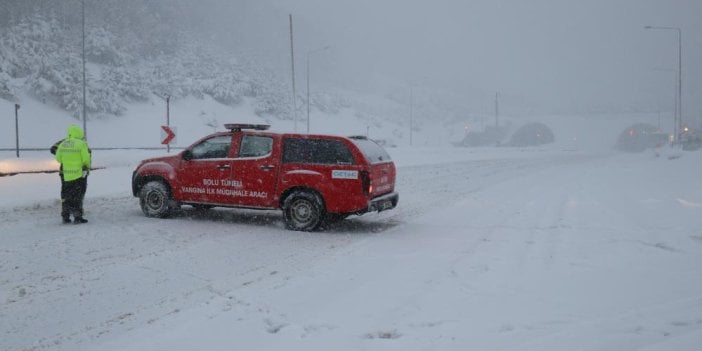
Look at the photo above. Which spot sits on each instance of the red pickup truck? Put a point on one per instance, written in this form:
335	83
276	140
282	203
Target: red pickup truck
313	179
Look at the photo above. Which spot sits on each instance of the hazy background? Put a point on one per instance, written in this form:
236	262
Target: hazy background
542	56
545	55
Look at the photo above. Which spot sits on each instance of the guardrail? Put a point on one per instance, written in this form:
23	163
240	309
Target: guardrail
97	148
42	171
12	173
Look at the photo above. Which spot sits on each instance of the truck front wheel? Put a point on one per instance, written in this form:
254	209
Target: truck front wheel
155	199
303	211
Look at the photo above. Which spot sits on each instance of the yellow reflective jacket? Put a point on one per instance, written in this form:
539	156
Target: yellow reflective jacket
73	154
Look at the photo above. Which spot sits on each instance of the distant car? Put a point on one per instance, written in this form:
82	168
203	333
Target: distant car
691	139
313	179
641	136
491	136
532	134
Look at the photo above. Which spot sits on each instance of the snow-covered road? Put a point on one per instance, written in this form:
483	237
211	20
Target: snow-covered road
542	250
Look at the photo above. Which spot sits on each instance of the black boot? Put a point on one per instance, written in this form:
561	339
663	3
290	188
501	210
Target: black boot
79	220
66	220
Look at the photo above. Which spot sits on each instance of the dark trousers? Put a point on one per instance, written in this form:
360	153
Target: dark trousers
72	194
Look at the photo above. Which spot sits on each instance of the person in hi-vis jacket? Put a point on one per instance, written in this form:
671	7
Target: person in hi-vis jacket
74	156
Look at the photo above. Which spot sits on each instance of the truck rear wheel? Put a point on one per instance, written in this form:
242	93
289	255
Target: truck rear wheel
303	211
155	199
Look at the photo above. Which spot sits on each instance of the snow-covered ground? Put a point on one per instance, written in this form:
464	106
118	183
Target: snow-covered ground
489	249
562	247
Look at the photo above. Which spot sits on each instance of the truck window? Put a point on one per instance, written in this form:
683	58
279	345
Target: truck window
373	152
215	147
320	151
255	146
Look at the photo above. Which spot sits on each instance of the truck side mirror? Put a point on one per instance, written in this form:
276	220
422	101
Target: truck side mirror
187	155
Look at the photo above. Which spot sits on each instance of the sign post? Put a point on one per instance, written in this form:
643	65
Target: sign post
168	135
168	118
17	106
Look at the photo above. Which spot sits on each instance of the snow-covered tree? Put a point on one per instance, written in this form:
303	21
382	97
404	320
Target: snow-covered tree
135	50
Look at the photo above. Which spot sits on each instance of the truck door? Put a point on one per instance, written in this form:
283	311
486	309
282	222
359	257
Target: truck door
202	177
255	171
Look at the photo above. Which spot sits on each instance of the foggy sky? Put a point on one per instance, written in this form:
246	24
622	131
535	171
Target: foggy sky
549	54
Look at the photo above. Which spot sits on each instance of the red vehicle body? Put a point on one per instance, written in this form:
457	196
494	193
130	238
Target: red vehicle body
314	179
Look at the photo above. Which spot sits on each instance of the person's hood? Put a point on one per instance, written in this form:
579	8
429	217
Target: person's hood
75	132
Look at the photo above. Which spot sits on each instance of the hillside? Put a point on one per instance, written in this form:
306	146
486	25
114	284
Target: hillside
150	51
139	53
42	57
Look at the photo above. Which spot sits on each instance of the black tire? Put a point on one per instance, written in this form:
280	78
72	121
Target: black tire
155	199
303	211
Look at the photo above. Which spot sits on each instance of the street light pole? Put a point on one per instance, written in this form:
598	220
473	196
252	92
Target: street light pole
308	83
85	130
678	118
680	114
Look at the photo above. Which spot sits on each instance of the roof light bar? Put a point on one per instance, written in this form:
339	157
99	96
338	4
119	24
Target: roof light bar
237	127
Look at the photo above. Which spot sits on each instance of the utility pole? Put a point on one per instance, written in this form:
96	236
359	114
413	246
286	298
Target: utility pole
17	106
85	130
678	118
659	121
411	117
497	111
292	61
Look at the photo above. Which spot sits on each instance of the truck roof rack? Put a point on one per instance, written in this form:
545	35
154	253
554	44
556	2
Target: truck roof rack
237	127
358	137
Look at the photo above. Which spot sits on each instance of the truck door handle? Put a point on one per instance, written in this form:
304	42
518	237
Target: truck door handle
223	167
267	167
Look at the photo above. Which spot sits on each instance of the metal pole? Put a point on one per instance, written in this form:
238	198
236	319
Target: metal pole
680	115
677	124
411	102
675	99
497	111
675	115
85	129
168	119
17	106
659	121
308	92
292	61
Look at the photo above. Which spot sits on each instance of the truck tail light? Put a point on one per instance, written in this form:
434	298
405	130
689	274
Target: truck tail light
366	183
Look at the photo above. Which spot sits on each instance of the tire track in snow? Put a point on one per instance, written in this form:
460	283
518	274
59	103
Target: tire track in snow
122	270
